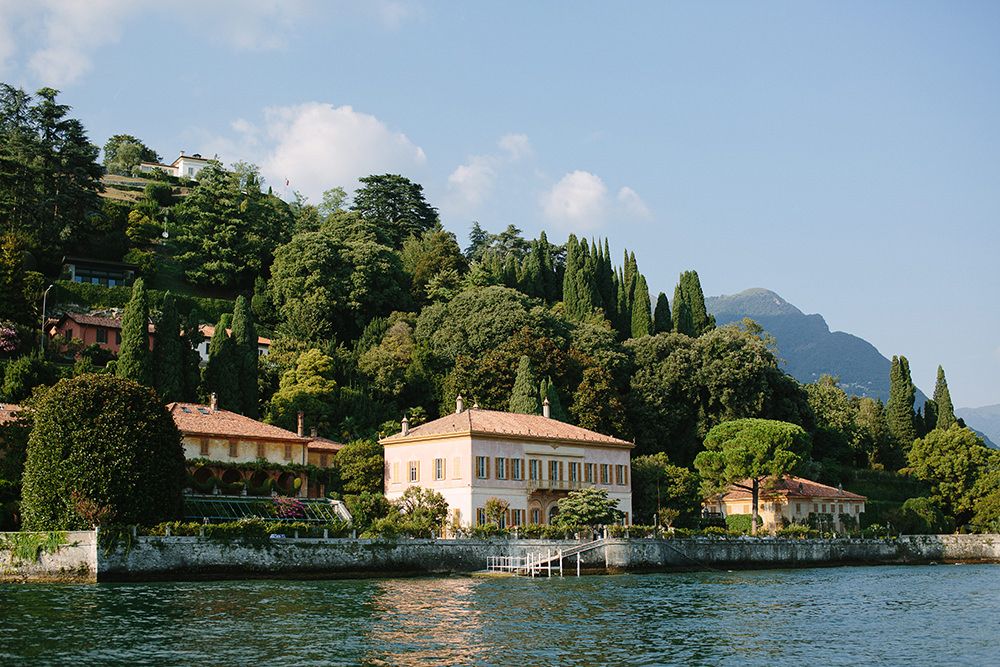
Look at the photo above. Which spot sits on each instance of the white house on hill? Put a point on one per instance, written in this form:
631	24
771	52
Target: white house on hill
185	166
529	461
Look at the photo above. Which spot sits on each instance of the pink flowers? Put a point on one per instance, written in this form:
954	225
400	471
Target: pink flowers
289	508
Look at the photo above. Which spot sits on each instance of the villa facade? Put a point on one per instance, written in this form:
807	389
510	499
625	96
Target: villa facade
792	500
529	461
185	166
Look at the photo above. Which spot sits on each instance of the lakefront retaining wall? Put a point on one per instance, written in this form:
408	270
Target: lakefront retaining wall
145	558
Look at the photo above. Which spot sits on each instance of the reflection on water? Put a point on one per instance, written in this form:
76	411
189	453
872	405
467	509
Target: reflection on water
838	616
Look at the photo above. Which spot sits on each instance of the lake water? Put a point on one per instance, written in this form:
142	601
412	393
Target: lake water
929	615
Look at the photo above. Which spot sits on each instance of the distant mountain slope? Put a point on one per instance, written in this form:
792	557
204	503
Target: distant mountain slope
985	420
806	345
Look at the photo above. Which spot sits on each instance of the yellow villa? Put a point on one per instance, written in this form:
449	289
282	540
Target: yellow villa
791	500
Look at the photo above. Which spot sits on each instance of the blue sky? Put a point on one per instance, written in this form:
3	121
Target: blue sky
845	155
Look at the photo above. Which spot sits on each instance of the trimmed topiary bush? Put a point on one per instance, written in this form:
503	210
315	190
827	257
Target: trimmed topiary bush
103	450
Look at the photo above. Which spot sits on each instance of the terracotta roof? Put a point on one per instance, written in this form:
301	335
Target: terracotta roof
8	412
507	424
794	487
99	321
208	331
196	419
325	445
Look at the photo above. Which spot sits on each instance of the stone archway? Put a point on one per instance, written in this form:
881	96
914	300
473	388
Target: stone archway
552	513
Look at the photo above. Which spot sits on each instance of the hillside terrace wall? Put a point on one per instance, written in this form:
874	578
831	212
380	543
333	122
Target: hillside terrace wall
148	558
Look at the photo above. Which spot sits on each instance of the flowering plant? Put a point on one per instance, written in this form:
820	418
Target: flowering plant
289	508
8	338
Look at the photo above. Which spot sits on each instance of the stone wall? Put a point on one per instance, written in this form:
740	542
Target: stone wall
145	558
74	560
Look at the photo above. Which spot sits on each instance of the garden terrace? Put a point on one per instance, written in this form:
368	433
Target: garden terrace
232	508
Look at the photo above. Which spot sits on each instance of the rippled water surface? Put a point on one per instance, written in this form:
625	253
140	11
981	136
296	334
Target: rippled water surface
948	615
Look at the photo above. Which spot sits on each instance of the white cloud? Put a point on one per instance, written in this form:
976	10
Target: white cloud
470	183
633	204
578	201
65	33
516	146
249	25
317	146
393	13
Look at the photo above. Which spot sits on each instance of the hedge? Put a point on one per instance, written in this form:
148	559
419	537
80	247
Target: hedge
90	296
103	450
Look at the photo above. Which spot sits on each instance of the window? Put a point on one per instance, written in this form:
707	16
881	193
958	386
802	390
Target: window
102	335
534	469
69	334
619	475
395	472
516	518
261	454
553	470
438	469
414	471
574	471
482	467
516	469
501	468
815	507
234	448
204	446
118	338
536	516
605	473
746	509
857	509
824	508
456	468
588	473
324	460
798	508
480	516
288	452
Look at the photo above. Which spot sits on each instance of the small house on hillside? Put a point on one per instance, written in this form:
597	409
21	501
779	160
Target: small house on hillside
103	330
793	500
529	461
207	330
185	166
98	271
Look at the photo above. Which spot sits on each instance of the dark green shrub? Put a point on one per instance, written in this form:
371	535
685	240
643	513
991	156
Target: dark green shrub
23	375
161	193
740	523
922	516
102	450
798	531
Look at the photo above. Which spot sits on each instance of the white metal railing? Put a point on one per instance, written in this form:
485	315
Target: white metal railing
537	564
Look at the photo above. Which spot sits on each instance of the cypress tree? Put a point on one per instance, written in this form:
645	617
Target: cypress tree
606	284
134	361
942	401
661	316
524	397
586	282
899	410
548	390
569	278
550	276
642	323
683	322
168	353
930	417
220	371
245	358
701	321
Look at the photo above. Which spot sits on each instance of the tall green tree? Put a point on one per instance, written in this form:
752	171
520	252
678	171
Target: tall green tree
642	323
942	403
952	461
169	353
658	484
690	315
899	410
123	153
524	397
662	322
589	506
220	376
246	357
746	452
596	404
14	305
397	207
547	390
134	359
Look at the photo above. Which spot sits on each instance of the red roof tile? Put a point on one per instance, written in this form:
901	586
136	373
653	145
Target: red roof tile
207	330
325	445
792	487
506	424
195	419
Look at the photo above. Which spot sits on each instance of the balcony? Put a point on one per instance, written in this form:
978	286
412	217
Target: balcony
555	485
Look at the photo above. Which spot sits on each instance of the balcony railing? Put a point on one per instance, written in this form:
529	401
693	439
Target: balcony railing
555	485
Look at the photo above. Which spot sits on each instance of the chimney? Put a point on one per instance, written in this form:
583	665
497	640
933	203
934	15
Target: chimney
406	425
213	402
314	432
459	405
302	424
545	408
